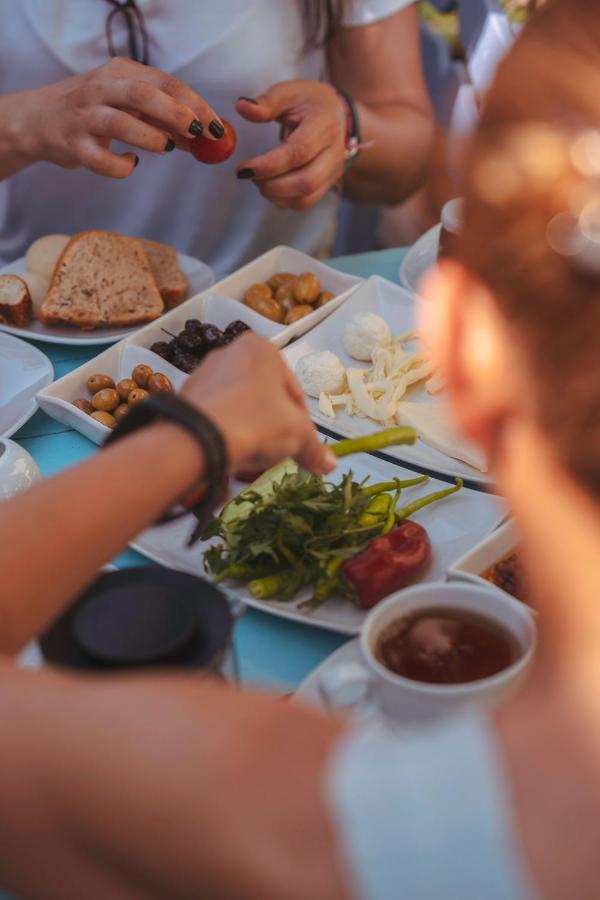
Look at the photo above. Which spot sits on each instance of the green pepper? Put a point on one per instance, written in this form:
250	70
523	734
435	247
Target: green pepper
393	485
375	511
371	442
408	510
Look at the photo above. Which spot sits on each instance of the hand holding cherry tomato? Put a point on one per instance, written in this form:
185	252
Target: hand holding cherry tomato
213	152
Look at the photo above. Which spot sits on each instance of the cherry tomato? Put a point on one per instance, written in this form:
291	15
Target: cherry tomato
213	152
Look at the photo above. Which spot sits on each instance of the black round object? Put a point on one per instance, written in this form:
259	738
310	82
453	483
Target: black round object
237	327
162	349
142	617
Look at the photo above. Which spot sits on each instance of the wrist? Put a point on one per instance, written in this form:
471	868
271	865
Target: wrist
22	129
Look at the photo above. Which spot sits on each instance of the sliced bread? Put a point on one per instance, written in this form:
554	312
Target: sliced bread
170	280
102	280
15	302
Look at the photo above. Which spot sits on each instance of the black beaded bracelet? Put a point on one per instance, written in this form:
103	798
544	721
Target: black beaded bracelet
169	408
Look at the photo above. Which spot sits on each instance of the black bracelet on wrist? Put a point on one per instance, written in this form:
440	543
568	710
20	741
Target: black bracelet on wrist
169	408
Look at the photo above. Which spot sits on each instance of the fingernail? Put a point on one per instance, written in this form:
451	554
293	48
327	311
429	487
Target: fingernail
249	100
196	127
216	129
136	160
245	173
170	145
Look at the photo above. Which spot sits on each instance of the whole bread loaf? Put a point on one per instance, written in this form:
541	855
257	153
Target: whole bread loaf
102	280
170	280
15	302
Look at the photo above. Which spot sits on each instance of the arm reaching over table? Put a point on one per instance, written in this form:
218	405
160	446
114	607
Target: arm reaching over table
74	524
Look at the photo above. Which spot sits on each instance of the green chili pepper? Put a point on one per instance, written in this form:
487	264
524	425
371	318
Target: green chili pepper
407	511
370	442
238	572
393	485
267	587
376	509
390	520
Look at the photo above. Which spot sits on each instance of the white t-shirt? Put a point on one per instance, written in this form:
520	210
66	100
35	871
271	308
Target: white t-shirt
424	813
223	49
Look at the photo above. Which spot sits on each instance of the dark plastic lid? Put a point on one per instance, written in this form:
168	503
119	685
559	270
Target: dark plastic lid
142	617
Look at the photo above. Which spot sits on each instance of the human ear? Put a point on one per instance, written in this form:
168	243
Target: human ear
469	345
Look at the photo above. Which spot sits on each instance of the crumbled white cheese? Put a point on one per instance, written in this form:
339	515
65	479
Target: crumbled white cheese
320	372
364	333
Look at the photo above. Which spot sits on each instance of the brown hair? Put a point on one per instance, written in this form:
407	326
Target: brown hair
523	194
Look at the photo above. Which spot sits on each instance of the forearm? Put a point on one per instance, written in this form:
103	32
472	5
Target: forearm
395	161
153	787
54	537
18	144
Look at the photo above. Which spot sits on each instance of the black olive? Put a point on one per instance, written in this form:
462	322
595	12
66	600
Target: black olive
237	327
193	326
212	334
185	361
162	349
190	342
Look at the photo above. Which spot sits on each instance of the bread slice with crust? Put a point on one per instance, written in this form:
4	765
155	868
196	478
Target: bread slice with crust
170	280
102	280
15	302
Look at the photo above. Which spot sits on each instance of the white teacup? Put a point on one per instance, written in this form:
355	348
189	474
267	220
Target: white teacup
370	685
18	469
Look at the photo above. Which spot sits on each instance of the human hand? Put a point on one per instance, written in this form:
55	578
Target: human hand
254	399
310	160
72	122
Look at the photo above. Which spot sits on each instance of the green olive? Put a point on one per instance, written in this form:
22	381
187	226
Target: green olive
265	306
137	396
324	297
84	405
298	312
280	278
104	417
106	399
125	387
307	288
120	411
97	383
256	293
159	383
141	374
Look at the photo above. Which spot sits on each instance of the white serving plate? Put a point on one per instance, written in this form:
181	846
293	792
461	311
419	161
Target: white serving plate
454	526
421	257
478	559
24	370
199	277
286	259
397	307
118	360
308	691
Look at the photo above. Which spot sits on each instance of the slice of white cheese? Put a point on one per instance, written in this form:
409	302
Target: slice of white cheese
434	428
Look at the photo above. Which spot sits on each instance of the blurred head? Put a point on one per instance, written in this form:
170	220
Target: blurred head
514	321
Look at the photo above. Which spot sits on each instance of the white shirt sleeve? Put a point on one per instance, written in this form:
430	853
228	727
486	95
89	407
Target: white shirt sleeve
363	12
422	814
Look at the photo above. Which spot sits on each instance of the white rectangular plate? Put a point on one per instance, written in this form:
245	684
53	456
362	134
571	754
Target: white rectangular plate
454	525
396	306
23	371
199	277
286	259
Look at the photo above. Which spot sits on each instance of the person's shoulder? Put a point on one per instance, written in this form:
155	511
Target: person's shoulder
363	12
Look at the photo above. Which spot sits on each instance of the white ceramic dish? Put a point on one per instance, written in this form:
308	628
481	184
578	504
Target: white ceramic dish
454	526
24	370
397	307
421	257
478	559
118	360
286	259
199	277
18	469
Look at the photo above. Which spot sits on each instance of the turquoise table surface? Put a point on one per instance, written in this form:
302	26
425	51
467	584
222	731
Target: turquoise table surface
271	651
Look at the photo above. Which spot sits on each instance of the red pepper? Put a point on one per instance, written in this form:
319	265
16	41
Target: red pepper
387	563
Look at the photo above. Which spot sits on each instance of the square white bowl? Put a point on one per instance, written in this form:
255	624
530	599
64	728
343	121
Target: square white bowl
117	362
286	259
472	564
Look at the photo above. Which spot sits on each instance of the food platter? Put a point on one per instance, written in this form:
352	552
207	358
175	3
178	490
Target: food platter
421	257
199	277
397	307
24	370
454	526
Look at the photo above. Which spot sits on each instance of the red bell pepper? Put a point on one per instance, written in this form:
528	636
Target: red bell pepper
387	563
